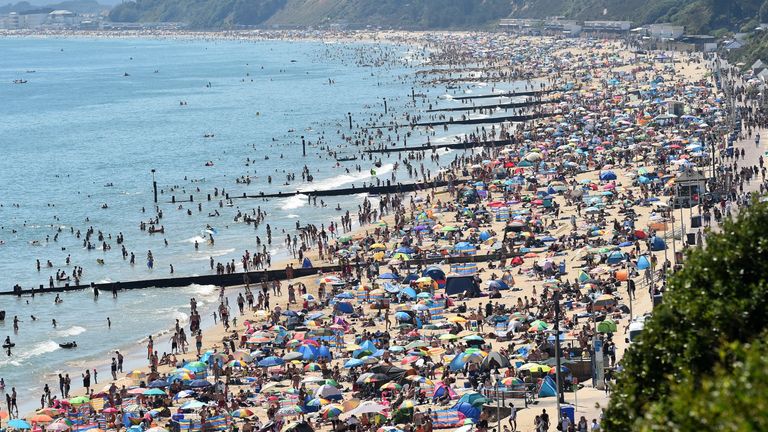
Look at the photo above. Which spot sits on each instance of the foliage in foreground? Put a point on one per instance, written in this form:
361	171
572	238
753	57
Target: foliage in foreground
719	298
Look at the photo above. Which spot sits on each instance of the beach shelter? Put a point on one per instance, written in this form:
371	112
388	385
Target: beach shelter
308	352
306	263
461	284
548	388
440	391
614	257
657	244
473	398
469	410
495	360
344	307
436	273
607	175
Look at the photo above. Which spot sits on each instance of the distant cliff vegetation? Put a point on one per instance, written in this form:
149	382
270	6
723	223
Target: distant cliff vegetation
699	16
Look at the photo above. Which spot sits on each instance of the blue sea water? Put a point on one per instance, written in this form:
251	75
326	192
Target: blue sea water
95	112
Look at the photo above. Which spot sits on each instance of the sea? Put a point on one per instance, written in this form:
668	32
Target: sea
97	118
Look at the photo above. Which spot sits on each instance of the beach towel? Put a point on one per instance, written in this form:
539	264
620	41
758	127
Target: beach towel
447	419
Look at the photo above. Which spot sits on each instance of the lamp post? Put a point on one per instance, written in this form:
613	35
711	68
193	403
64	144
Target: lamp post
558	378
497	380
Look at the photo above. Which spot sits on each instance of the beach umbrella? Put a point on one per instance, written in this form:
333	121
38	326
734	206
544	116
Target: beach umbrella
193	404
417	344
136	374
271	361
331	411
289	411
297	427
512	381
18	424
196	366
390	276
242	413
312	367
391	386
316	402
535	367
57	427
237	364
295	355
353	363
154	392
326	391
200	383
41	418
158	383
538	325
402	316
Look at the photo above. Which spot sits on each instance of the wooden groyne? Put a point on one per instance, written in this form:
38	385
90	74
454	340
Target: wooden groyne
234	279
501	105
386	188
453	146
508	94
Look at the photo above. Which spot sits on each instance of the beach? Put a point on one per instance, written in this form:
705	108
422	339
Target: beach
573	205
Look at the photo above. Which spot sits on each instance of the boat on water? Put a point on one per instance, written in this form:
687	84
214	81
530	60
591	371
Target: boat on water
346	158
19	81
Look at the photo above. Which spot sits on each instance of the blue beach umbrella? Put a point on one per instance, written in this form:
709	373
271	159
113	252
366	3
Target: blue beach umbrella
18	424
353	363
271	361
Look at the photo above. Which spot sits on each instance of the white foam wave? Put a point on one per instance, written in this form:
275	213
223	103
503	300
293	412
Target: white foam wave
294	202
203	289
20	355
343	179
72	331
198	239
292	216
205	255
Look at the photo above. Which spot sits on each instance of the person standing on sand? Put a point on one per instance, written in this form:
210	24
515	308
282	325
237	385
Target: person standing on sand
119	361
150	347
113	369
87	381
199	341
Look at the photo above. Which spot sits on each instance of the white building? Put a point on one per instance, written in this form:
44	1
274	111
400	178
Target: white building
665	31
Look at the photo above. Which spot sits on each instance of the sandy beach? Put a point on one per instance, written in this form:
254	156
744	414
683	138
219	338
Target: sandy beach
579	206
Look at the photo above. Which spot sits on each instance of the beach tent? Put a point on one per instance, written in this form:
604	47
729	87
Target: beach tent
440	391
436	273
657	244
607	175
308	352
473	398
548	388
615	257
495	360
344	307
461	284
306	263
469	410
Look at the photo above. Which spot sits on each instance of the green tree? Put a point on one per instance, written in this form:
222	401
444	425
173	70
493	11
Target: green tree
720	297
